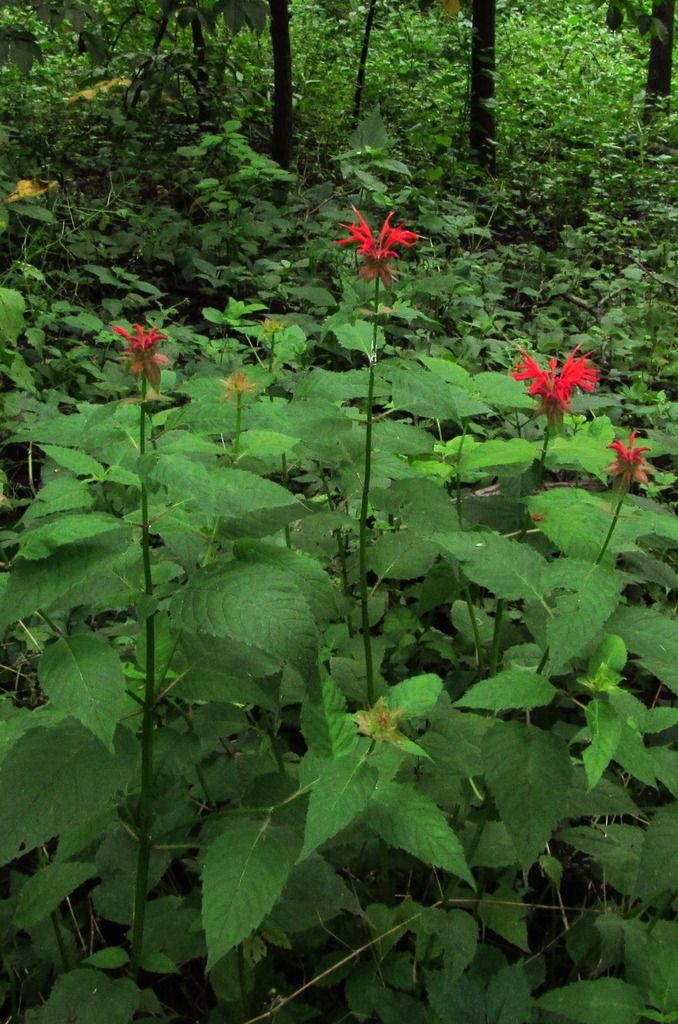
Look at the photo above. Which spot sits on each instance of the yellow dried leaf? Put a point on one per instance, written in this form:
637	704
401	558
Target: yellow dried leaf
452	7
93	91
26	188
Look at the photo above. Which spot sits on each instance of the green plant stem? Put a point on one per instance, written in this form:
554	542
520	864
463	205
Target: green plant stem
544	659
613	524
286	478
542	458
474	627
458	478
364	507
146	796
238	422
496	638
58	935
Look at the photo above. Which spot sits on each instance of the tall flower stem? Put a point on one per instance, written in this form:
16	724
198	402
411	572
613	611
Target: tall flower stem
364	507
238	423
613	524
542	458
146	798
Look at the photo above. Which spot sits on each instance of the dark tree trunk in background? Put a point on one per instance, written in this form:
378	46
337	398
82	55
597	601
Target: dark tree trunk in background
360	83
658	89
281	148
483	122
202	78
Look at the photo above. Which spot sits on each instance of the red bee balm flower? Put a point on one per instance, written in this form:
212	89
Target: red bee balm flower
629	466
554	386
141	352
378	255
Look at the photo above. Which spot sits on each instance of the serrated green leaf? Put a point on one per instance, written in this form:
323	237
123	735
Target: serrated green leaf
605	726
579	617
34	585
603	1001
83	676
108	959
76	461
587	450
528	771
411	821
653	637
244	873
339	794
616	848
255	605
44	891
64	775
12	309
88	997
658	870
306	572
328	729
507	568
513	688
415	696
314	893
506	914
508	999
479	456
42	540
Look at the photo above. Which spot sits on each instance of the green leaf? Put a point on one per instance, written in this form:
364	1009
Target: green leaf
605	726
64	775
603	1001
586	451
76	461
256	605
615	848
12	309
653	637
528	771
33	585
371	132
508	999
340	793
244	873
580	616
508	569
328	729
415	696
658	870
314	893
411	821
506	914
83	676
513	688
108	959
357	337
88	997
44	891
306	572
41	541
479	456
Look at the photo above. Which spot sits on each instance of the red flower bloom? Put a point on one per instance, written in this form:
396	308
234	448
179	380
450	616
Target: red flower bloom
378	255
141	352
629	466
554	386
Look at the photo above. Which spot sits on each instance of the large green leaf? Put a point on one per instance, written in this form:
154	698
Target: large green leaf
603	1001
410	820
507	568
605	726
250	506
55	779
658	870
83	676
44	891
579	616
12	309
244	873
528	771
513	688
34	585
415	696
340	792
306	572
653	637
328	729
88	997
255	605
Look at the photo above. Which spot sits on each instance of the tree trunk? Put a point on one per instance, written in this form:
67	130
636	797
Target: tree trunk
658	89
483	126
202	77
360	83
281	147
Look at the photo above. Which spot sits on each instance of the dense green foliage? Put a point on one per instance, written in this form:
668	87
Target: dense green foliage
333	687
